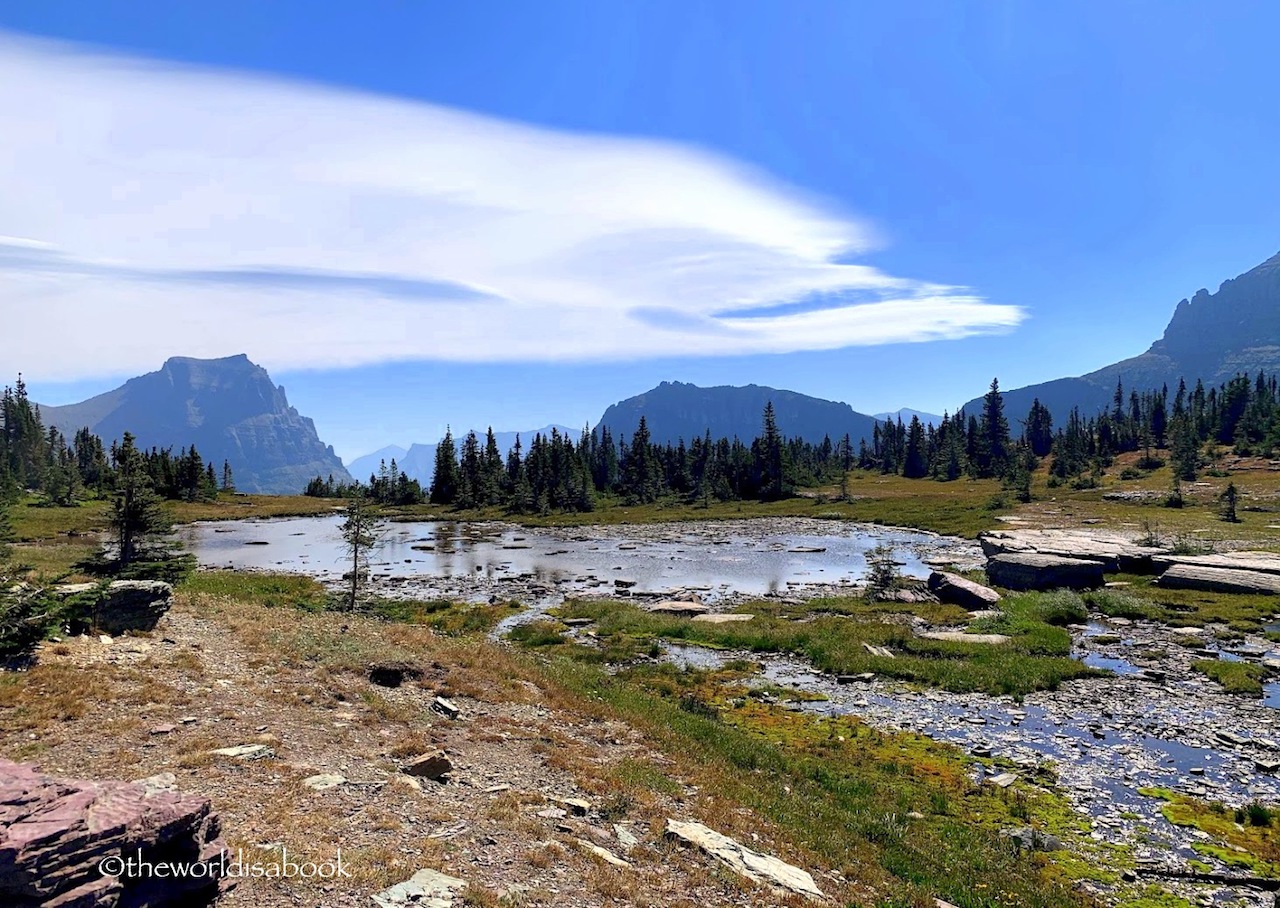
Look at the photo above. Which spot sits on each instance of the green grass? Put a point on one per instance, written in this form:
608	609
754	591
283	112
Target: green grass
1183	608
1243	678
271	590
1036	658
448	617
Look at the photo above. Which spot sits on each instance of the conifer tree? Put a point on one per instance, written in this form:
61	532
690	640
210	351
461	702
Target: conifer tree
444	482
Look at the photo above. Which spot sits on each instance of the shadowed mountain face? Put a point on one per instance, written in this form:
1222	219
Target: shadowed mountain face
675	410
228	408
1212	336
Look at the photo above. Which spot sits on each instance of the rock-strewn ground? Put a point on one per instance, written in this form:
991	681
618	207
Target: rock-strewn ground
217	674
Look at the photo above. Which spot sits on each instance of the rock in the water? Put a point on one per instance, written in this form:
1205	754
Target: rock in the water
957	590
393	674
125	605
1044	572
1219	580
55	832
433	765
425	889
754	866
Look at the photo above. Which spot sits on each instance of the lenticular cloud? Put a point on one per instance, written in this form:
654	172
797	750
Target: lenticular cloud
152	209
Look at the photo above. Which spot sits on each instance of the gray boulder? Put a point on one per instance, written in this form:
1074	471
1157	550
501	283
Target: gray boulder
1029	571
957	590
123	605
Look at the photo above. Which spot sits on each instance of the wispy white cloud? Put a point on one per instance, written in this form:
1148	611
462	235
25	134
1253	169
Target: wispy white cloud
154	209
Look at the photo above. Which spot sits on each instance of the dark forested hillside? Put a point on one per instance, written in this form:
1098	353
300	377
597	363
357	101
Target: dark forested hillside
676	410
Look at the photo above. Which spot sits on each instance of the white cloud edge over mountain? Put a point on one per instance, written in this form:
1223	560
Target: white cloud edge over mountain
155	209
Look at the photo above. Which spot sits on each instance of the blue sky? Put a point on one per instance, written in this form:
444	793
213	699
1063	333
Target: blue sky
882	204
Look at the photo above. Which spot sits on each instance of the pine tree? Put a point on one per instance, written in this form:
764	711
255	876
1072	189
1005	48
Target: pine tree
361	530
993	446
136	514
444	482
228	481
914	463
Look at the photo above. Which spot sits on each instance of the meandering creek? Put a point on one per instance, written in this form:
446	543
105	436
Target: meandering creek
1154	723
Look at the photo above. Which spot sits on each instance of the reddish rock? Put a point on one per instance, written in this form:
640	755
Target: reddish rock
55	834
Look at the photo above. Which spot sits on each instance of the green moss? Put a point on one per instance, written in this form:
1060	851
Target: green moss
1255	848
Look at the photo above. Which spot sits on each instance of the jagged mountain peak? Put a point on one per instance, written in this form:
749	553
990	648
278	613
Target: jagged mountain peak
229	408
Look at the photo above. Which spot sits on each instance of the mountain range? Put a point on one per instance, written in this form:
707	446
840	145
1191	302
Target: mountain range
228	408
1212	336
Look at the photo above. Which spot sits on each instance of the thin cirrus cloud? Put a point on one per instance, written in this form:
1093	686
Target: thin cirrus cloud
154	209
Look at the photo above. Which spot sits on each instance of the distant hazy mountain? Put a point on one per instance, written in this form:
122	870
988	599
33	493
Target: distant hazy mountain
228	408
676	410
419	462
928	419
1212	336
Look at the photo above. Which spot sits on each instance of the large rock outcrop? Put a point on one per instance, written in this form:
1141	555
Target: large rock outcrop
55	835
123	605
228	408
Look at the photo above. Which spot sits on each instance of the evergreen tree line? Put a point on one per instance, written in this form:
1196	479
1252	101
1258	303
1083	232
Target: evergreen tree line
1242	413
36	459
557	473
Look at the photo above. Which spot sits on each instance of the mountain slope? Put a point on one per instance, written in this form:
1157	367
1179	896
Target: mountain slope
1212	336
905	414
228	408
676	410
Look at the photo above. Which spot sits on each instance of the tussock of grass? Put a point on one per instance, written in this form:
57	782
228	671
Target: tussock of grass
1243	678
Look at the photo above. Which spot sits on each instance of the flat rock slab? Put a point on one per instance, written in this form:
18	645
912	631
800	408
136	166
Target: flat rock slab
963	592
678	608
54	832
1218	580
603	853
245	752
962	637
722	619
1029	571
1261	562
425	889
754	866
1114	551
882	651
